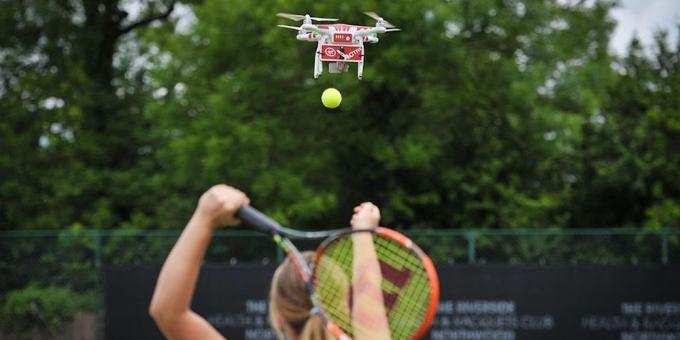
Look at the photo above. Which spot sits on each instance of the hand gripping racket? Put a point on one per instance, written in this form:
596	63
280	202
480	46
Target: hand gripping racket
365	283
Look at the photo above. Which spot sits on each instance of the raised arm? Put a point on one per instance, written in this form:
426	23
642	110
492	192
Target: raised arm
368	308
170	305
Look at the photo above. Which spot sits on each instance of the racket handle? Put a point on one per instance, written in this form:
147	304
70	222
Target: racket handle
257	219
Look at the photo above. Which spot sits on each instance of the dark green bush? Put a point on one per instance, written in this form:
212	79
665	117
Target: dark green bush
45	308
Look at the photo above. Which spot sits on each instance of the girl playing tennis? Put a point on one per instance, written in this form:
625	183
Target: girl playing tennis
291	311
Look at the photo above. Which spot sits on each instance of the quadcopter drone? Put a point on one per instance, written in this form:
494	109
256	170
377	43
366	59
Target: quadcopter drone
338	44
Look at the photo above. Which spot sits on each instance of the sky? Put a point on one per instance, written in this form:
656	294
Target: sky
644	17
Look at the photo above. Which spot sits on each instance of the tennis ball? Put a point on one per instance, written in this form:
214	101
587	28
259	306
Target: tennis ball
331	98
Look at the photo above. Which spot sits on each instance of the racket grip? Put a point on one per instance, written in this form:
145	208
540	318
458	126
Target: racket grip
257	219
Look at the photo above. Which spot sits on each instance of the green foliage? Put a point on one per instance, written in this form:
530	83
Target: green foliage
477	114
664	214
44	307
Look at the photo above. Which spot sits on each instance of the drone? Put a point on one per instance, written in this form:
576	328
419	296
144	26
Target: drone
338	44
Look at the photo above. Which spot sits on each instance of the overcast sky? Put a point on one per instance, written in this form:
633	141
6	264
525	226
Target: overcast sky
644	17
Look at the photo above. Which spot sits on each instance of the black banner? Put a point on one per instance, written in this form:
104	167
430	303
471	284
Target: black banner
558	302
477	302
231	298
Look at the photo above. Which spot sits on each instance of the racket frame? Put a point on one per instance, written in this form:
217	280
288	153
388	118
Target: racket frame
280	235
406	242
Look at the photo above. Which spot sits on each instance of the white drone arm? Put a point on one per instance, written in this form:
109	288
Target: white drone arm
373	30
315	29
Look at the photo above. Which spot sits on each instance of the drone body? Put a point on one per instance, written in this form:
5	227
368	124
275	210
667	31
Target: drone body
338	44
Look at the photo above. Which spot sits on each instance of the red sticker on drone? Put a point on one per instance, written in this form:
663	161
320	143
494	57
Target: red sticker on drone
353	53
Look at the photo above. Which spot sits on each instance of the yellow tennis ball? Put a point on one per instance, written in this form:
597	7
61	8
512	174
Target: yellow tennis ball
331	98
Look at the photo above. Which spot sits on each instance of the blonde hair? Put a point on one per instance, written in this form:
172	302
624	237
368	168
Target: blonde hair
289	299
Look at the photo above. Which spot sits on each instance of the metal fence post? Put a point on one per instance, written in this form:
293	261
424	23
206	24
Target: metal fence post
97	286
472	247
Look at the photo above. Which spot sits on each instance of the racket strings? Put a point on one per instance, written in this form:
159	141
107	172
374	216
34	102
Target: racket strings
332	282
407	314
405	285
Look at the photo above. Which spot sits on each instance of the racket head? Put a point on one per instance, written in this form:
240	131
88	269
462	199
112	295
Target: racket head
408	281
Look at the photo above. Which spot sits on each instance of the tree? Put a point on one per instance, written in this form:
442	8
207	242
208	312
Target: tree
73	133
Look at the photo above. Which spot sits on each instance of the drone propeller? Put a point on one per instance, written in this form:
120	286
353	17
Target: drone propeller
393	30
379	19
291	27
298	17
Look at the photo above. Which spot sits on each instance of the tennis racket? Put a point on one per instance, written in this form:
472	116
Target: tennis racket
362	280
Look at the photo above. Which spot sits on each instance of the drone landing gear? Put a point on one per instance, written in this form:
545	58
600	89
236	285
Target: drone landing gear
318	66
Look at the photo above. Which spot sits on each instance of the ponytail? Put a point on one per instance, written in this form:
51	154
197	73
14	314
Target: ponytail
314	329
289	301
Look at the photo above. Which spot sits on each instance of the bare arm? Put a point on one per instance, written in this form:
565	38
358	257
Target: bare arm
368	309
170	305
